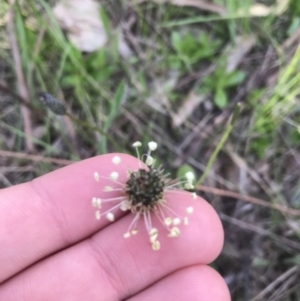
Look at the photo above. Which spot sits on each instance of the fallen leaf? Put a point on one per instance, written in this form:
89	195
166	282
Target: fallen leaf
81	20
261	10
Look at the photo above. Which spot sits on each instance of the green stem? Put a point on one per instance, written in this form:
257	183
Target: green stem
219	146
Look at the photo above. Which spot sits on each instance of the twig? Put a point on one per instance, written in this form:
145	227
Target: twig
271	286
6	89
260	231
20	78
6	169
248	198
35	158
294	39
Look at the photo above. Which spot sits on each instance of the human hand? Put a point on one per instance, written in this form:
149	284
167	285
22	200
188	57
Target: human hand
52	248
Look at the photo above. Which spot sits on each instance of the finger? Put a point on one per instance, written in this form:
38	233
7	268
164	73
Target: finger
53	212
199	282
109	267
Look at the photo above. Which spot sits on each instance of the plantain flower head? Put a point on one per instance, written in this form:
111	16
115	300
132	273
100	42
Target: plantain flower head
143	195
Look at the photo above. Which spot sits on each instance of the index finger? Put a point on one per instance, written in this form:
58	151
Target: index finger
52	212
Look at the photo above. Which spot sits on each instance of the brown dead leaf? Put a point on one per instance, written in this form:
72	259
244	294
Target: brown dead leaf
81	20
85	29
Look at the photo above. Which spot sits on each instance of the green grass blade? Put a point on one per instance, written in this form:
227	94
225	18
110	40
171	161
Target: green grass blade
113	113
219	146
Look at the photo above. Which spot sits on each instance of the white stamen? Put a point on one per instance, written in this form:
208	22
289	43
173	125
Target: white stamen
153	235
108	188
153	231
156	245
126	235
114	175
168	221
125	206
175	232
110	216
96	202
186	221
176	221
98	215
189	186
153	238
137	144
149	161
134	232
116	160
152	145
96	176
150	220
189	210
194	195
190	176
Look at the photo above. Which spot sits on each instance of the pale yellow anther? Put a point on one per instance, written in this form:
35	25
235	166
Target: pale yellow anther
189	210
153	238
114	175
189	186
153	231
96	176
116	160
175	232
98	215
156	245
168	221
176	221
153	235
185	221
152	145
126	235
134	232
137	144
110	216
194	195
94	202
149	161
108	188
125	206
190	176
97	202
